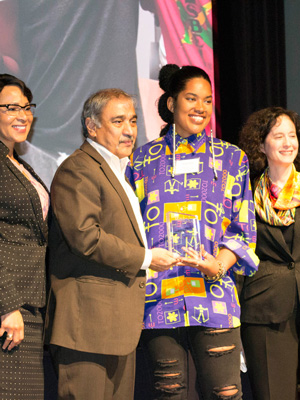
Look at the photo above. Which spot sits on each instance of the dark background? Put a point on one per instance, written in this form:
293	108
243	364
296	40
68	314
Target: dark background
257	49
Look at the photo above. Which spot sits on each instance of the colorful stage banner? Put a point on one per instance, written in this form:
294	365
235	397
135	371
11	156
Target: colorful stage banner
66	50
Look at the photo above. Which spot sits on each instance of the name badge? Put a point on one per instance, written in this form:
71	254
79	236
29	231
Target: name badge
190	166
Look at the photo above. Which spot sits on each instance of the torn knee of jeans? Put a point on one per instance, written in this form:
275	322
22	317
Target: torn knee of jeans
168	381
169	388
229	392
213	332
163	366
220	351
167	363
168	375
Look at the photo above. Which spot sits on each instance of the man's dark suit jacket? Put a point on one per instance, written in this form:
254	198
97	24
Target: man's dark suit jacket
269	296
23	238
96	251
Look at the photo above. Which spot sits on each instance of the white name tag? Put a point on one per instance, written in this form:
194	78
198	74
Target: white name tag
187	166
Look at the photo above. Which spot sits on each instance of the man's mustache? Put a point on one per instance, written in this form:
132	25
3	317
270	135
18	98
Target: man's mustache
126	139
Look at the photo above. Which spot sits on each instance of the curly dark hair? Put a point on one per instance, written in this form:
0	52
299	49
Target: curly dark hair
254	133
10	80
173	79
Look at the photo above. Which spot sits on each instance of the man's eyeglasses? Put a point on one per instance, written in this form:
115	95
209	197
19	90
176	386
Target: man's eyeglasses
14	109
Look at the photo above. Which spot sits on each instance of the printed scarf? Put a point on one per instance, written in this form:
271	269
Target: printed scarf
274	205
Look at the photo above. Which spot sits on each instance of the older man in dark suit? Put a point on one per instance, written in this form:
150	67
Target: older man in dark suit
98	257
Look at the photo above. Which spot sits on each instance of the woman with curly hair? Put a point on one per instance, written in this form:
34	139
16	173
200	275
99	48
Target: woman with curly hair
270	299
194	305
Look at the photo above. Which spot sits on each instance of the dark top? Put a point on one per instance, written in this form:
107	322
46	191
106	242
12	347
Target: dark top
269	296
23	238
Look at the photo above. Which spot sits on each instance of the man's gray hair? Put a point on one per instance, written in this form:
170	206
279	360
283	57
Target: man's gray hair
94	105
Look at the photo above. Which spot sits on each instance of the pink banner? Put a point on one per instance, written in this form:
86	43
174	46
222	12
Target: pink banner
186	27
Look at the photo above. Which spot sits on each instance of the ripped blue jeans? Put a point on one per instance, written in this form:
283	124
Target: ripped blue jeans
216	355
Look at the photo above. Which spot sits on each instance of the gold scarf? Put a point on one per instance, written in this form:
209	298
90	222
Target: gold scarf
287	201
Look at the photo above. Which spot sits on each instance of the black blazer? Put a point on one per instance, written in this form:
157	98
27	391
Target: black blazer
269	296
23	237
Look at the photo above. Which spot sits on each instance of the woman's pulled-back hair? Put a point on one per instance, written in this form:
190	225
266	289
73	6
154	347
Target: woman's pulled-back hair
10	80
173	80
254	133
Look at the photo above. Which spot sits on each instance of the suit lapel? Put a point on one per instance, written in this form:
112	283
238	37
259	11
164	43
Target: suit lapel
32	193
87	148
296	240
278	237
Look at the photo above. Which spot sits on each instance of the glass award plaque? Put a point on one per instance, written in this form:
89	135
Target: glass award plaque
183	230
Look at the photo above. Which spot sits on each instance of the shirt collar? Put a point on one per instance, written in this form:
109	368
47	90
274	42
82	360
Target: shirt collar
111	159
195	141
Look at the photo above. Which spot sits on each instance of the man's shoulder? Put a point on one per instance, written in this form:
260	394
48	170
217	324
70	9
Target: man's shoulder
85	154
83	163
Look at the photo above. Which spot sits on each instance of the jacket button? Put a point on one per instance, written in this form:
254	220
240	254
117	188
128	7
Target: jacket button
142	285
291	265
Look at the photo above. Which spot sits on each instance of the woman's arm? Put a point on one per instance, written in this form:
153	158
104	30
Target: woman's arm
208	264
13	324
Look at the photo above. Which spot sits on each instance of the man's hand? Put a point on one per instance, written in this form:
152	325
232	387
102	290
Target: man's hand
13	324
162	259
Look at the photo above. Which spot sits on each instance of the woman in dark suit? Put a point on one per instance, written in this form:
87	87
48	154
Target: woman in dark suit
270	299
24	203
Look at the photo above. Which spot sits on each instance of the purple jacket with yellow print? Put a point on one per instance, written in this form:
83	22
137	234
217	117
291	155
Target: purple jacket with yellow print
224	206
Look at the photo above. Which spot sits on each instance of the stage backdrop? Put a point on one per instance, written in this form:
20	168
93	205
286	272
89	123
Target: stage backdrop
66	50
